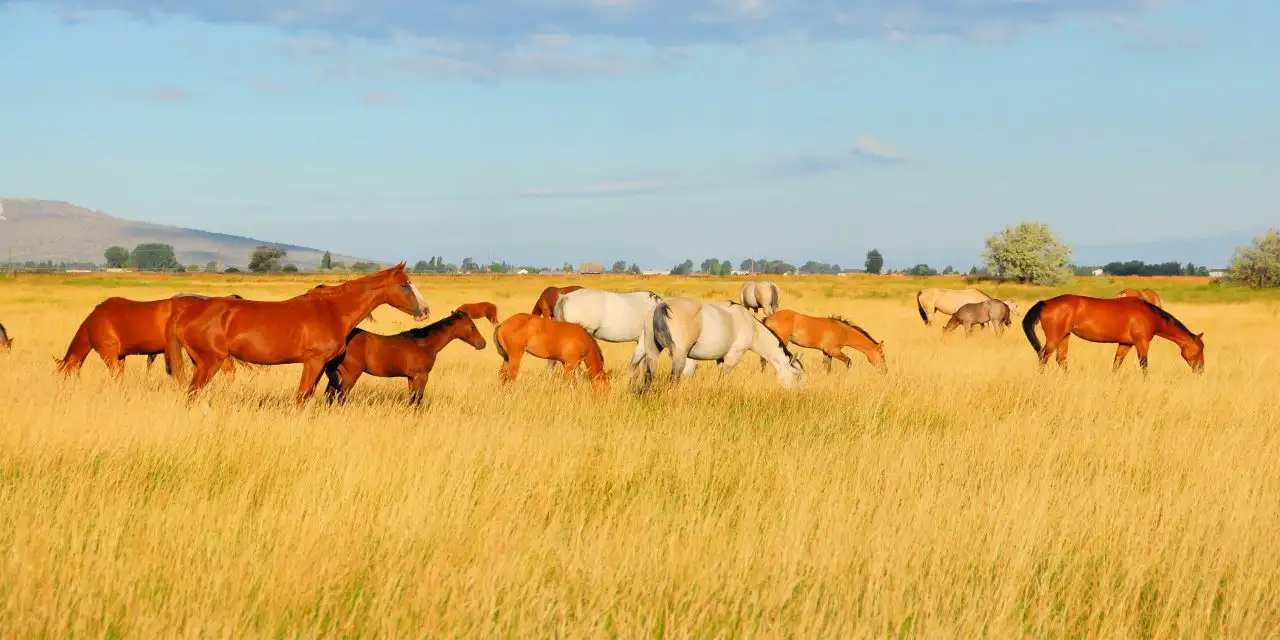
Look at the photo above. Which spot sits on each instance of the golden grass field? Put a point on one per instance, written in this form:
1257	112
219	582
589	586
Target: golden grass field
961	495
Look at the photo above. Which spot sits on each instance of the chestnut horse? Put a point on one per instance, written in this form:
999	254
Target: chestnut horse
549	339
119	327
1129	322
310	329
477	310
828	335
1146	294
546	303
410	354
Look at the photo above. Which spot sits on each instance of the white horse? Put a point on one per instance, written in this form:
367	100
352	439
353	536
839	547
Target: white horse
759	295
609	316
720	331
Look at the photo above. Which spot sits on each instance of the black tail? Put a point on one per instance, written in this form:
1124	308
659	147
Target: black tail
661	332
1029	324
923	316
497	344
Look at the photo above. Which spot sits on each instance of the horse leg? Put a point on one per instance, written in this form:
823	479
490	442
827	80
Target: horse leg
637	356
333	385
571	369
1121	352
1142	346
511	368
311	372
151	359
417	387
838	355
968	329
1062	353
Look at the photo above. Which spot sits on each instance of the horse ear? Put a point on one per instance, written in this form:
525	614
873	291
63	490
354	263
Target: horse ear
1200	336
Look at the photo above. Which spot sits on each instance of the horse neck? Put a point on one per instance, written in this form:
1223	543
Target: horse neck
351	308
1173	333
595	361
856	339
767	345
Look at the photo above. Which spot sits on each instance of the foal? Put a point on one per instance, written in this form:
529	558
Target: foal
410	354
979	313
828	335
548	339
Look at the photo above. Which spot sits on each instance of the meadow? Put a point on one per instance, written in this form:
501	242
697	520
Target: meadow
963	494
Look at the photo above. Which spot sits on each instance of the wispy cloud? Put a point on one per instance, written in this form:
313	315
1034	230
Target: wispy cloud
171	95
871	147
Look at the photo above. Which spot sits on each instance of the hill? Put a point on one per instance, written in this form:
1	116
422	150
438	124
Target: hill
49	230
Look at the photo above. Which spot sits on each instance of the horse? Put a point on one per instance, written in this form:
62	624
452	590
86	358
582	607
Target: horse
369	317
720	331
759	296
980	313
310	329
477	310
549	339
547	301
828	335
120	327
1146	294
1128	322
6	342
409	354
931	301
609	316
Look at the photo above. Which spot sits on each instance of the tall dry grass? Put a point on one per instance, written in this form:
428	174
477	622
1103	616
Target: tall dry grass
960	495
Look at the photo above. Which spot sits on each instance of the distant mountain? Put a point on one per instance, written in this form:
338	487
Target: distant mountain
49	230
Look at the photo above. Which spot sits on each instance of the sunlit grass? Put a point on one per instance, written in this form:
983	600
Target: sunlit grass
961	495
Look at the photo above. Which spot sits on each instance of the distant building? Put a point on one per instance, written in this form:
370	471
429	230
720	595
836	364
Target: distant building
1217	273
522	272
590	267
1097	272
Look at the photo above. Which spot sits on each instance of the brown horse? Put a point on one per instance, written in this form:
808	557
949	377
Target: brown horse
979	314
1129	322
310	329
410	354
547	301
119	327
478	310
549	339
828	335
369	317
1146	294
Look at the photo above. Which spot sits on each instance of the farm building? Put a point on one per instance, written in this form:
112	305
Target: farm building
590	267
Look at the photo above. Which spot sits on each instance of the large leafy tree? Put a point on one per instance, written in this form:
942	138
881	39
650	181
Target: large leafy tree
266	259
116	257
1028	253
875	261
1258	264
154	256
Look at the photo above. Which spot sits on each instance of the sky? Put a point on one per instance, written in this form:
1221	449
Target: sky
650	131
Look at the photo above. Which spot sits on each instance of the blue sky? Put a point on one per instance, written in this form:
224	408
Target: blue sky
649	130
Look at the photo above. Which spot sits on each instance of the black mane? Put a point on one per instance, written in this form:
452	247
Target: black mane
419	333
781	344
853	326
1168	317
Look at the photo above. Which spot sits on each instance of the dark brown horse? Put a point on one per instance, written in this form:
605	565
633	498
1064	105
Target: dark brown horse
477	310
547	301
410	354
310	330
119	327
1128	322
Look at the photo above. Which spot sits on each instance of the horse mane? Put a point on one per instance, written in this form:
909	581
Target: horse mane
1168	317
853	326
419	333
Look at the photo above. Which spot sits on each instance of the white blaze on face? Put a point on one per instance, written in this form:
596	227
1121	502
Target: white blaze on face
422	302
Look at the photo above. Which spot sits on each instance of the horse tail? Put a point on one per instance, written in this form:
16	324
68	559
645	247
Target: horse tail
773	298
1029	324
77	350
661	331
919	305
497	343
174	361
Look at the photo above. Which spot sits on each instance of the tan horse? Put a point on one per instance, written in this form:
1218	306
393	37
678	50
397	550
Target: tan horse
1145	294
947	301
828	335
721	331
759	296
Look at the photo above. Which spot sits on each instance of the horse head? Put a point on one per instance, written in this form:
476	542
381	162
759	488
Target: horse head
403	295
469	332
1193	352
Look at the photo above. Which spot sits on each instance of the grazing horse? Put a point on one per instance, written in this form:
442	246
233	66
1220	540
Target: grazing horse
546	303
609	316
119	327
410	354
931	301
1146	294
1128	322
310	329
6	342
828	335
549	339
759	296
980	313
477	310
720	331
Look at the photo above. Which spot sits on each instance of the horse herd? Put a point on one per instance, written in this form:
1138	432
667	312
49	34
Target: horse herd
317	329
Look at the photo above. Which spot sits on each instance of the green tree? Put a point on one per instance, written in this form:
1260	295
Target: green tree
1028	253
567	268
922	270
711	266
684	268
469	265
364	267
231	270
154	256
194	268
422	266
1258	264
745	265
875	261
634	269
619	267
948	270
211	266
266	259
326	261
116	257
289	268
726	268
